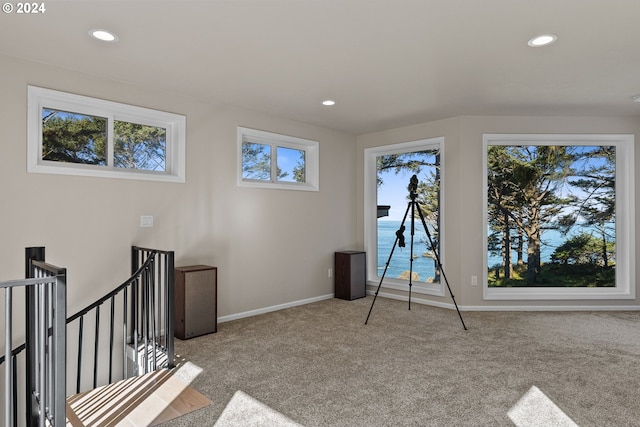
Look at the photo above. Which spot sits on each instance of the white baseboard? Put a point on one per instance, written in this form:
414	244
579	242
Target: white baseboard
510	307
415	299
264	310
448	305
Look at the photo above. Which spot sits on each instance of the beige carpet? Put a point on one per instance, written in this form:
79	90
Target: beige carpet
319	365
244	410
536	409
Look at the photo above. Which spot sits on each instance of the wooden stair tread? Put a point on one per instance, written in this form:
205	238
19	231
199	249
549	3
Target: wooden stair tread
145	400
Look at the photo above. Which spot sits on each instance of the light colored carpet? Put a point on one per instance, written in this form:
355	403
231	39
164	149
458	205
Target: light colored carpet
321	366
535	409
244	410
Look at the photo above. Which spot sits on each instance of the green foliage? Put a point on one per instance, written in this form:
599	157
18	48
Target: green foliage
74	138
536	188
413	162
256	161
299	171
557	276
581	249
138	146
79	138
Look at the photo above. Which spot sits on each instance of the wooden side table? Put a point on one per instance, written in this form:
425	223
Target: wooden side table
196	306
351	274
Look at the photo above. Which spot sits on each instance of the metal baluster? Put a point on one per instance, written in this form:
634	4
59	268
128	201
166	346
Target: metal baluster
134	308
81	326
170	313
145	317
15	389
125	315
162	299
36	342
50	342
95	348
111	323
152	314
42	338
8	360
59	349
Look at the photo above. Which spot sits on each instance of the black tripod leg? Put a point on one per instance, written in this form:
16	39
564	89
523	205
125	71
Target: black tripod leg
413	230
437	256
393	248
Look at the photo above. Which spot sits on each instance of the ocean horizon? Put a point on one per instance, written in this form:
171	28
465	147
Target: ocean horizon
400	262
424	266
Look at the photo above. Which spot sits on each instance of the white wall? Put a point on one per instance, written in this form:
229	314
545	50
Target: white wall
463	194
271	246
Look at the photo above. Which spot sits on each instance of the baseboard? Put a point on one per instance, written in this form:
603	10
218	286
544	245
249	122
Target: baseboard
447	305
510	307
415	299
264	310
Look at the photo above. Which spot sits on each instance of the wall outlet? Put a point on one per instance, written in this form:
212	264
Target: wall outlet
146	220
474	280
330	273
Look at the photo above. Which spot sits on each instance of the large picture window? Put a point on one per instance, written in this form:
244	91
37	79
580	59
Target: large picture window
559	216
388	170
78	135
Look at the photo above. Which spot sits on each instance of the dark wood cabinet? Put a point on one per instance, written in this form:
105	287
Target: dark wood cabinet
350	274
196	306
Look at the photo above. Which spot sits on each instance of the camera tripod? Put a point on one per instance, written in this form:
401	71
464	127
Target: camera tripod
413	206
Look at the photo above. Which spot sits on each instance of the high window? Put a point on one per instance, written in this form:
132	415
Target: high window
79	135
270	160
388	170
559	216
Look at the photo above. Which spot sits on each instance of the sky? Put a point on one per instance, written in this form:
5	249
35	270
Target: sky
394	192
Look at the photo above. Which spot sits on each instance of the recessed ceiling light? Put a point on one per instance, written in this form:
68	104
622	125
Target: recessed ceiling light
104	35
328	102
542	40
636	98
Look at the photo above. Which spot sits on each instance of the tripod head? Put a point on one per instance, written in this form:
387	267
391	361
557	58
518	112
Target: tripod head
413	187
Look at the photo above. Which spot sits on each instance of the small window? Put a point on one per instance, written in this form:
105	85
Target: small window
271	160
77	135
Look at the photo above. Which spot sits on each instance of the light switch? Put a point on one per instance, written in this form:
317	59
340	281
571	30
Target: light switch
146	220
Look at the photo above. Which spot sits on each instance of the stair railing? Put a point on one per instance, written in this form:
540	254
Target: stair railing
140	317
45	344
140	314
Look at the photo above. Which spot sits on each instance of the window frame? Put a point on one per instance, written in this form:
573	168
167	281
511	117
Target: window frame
625	217
371	220
275	140
175	125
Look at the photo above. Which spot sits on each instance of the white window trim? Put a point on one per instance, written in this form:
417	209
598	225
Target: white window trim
310	147
625	216
370	215
175	124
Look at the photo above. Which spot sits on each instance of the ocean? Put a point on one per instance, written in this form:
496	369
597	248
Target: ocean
424	266
401	260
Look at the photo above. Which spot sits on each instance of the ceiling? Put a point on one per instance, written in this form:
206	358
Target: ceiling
386	63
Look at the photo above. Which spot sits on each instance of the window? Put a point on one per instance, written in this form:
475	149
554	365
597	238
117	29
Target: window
77	135
559	216
388	170
270	160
